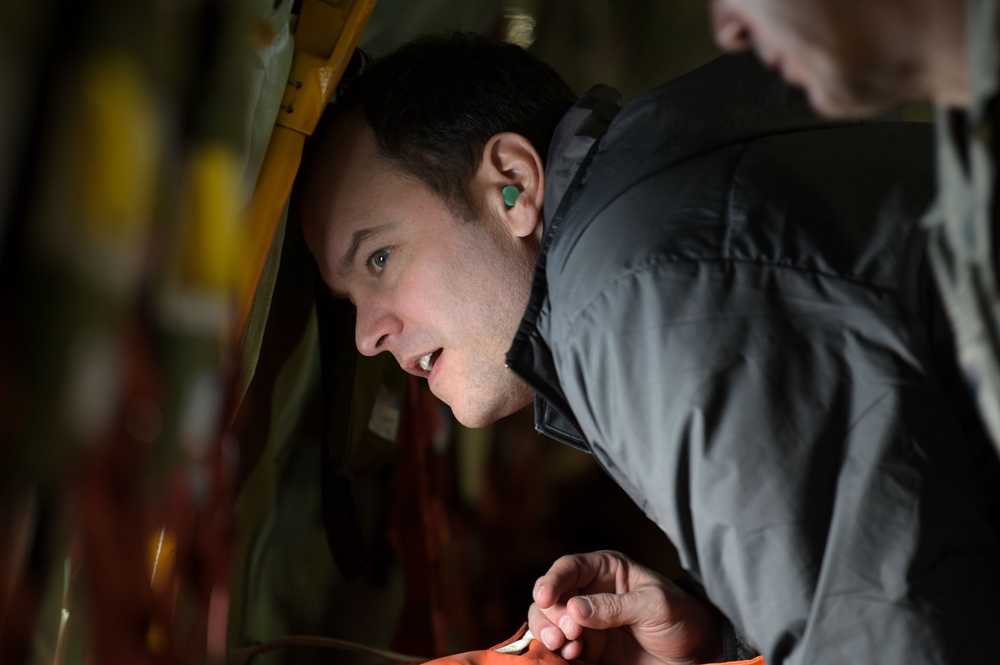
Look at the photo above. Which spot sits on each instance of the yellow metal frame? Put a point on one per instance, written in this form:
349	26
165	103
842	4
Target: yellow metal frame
325	38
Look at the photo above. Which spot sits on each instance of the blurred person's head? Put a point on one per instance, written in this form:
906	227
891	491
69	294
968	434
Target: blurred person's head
854	57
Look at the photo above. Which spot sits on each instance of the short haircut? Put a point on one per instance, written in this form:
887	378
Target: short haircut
433	103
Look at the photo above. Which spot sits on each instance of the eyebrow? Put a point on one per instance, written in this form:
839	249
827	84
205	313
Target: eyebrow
357	239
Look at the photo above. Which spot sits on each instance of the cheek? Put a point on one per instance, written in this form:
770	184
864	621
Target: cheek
439	293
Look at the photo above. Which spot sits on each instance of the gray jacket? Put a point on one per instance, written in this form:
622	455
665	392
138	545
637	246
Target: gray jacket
732	312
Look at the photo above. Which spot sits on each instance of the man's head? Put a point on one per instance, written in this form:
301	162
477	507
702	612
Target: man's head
402	207
854	57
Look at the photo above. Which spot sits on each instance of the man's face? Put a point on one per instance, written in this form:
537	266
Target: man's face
443	295
848	55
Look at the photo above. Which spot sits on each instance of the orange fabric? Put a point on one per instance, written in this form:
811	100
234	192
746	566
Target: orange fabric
535	653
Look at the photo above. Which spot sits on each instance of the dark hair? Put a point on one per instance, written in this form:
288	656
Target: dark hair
433	103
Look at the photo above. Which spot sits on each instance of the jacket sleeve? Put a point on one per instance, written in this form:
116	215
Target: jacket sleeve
783	428
734	646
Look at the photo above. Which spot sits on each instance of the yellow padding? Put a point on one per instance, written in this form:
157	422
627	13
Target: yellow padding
120	146
210	238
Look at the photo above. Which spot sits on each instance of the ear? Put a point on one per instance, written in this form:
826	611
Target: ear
510	159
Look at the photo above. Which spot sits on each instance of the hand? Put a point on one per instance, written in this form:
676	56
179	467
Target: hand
603	607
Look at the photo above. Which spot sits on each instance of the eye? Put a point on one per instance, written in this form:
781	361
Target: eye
378	259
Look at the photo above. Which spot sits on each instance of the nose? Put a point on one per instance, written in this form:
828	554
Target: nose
732	31
377	326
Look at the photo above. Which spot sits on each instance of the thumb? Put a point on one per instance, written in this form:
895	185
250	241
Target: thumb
612	610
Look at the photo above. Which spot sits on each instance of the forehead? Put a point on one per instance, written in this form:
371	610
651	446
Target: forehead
342	186
346	160
355	197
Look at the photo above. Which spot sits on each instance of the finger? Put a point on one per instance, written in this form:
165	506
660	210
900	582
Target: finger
571	650
544	627
645	606
577	571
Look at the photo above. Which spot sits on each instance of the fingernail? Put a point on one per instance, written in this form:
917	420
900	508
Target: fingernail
565	624
538	590
585	606
548	637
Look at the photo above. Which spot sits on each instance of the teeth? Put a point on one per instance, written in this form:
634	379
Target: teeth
425	362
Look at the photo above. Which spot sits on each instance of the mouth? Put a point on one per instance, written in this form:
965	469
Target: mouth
426	362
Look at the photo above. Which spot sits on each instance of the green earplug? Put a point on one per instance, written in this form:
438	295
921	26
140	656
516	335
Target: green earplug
510	194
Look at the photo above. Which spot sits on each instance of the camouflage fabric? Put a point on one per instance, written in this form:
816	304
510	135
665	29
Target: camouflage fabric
963	221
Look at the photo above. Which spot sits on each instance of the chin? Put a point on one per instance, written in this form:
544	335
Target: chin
853	97
474	421
842	107
475	416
